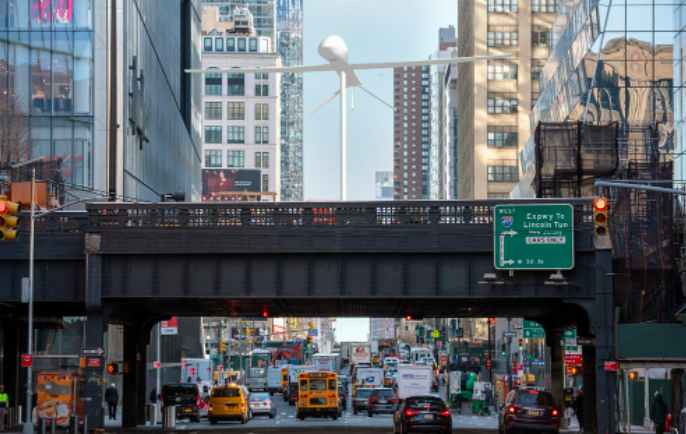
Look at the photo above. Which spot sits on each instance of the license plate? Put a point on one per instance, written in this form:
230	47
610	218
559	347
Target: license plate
188	410
428	417
382	402
534	412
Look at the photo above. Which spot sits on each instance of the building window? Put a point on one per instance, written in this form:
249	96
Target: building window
498	195
253	44
213	83
208	44
219	44
258	112
258	135
235	84
213	157
502	70
539	36
502	171
502	36
235	159
265	134
265	112
536	68
502	103
500	6
213	111
262	159
230	44
235	135
500	137
213	134
235	111
241	44
261	90
545	6
265	182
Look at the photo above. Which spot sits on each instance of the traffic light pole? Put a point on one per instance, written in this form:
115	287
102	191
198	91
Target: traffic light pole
28	425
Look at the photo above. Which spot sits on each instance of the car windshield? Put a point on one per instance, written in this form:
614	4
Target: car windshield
363	393
385	393
533	397
259	397
257	372
424	403
174	390
226	393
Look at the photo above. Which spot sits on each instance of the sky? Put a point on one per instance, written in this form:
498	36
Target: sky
374	31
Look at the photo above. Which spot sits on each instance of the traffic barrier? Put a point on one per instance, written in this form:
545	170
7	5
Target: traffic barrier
169	416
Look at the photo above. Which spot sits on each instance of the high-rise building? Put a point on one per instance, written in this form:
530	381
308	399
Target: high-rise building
495	97
632	82
382	328
241	118
281	20
263	12
384	186
55	68
411	133
439	121
289	28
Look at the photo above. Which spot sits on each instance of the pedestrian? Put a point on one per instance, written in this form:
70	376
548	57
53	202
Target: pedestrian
189	380
658	414
488	398
579	409
153	396
4	403
112	398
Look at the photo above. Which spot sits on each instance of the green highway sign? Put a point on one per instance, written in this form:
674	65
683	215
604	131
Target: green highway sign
532	330
534	237
570	334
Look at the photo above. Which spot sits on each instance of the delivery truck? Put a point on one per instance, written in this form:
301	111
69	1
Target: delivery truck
414	380
370	376
360	353
274	380
327	362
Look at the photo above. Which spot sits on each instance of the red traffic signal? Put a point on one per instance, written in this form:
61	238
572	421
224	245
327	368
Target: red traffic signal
600	203
600	216
265	314
409	318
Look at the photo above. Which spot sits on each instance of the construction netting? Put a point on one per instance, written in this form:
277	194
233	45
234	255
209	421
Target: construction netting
571	156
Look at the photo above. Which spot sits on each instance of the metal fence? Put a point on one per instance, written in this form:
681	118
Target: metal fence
323	214
59	222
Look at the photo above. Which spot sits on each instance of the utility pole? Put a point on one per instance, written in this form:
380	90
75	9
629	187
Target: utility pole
509	353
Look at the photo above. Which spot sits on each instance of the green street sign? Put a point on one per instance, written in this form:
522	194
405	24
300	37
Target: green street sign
532	330
570	334
534	237
214	356
571	348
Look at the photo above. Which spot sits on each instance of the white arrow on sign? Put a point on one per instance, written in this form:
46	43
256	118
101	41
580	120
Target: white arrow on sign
502	247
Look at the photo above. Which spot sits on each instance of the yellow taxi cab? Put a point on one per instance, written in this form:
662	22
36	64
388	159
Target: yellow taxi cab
317	395
229	403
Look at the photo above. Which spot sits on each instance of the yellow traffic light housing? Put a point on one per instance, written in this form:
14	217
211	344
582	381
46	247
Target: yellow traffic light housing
521	343
222	346
8	221
600	218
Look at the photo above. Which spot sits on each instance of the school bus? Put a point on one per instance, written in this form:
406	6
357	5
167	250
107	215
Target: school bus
318	395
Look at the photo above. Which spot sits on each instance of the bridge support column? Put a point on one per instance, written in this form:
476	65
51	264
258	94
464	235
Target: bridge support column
10	368
603	382
557	369
96	326
133	407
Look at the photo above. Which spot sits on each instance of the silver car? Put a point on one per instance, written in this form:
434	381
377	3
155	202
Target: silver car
261	403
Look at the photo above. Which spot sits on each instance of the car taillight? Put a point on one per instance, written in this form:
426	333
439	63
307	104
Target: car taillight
511	410
266	404
393	401
242	407
410	413
372	400
555	412
197	400
446	413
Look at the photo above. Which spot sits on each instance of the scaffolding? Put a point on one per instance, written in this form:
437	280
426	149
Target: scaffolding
571	156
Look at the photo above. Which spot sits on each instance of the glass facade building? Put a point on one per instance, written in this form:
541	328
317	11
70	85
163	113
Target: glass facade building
608	63
680	98
46	72
54	65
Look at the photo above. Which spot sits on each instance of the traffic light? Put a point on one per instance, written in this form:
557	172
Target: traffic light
600	217
503	350
310	325
265	314
222	347
633	375
8	221
113	369
407	329
309	342
521	344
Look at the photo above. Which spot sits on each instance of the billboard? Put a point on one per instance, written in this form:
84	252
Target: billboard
227	184
169	327
278	325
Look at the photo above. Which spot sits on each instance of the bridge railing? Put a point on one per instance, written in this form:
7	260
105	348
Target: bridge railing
370	214
59	222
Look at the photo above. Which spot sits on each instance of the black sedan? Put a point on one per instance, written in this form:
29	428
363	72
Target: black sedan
424	413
